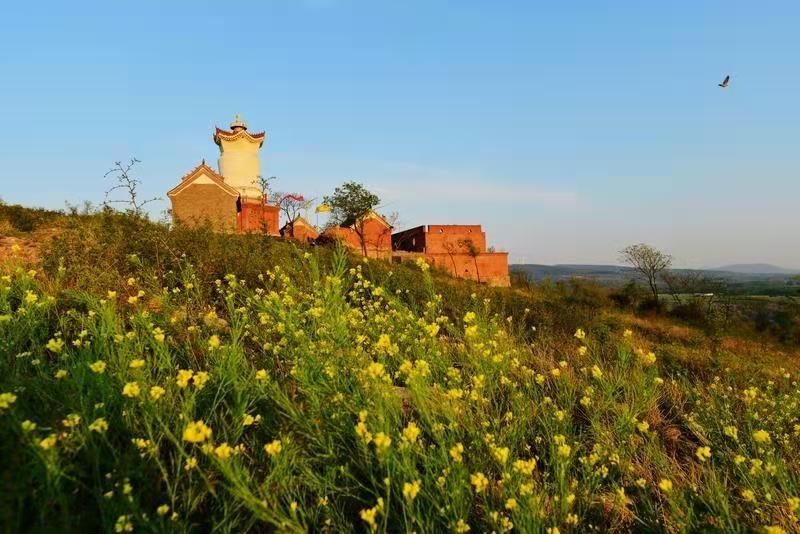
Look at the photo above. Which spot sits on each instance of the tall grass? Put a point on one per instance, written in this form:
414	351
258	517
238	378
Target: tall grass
150	392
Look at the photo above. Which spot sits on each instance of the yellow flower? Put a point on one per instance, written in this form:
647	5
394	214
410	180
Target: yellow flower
732	432
525	467
28	426
665	484
480	482
703	453
411	432
250	420
184	375
422	264
582	351
123	524
261	374
456	452
6	400
748	495
200	378
469	317
273	448
761	436
48	442
627	334
224	451
136	364
61	374
131	389
643	426
511	504
196	432
411	489
158	334
580	334
368	516
597	372
213	342
156	392
55	345
648	358
98	367
162	510
501	453
382	441
99	425
564	450
190	463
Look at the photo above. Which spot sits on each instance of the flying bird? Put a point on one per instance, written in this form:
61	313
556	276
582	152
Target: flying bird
724	83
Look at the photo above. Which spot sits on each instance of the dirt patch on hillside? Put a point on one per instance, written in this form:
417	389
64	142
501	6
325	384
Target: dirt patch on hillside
25	246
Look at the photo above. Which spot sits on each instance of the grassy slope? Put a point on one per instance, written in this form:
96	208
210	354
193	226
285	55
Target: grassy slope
388	395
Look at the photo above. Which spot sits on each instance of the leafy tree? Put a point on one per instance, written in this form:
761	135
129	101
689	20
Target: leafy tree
648	261
350	203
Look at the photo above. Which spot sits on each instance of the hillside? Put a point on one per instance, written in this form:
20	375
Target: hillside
171	379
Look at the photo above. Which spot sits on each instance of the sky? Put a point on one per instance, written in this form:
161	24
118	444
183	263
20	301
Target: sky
567	129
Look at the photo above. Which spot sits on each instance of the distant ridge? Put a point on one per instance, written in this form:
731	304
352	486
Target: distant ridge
755	268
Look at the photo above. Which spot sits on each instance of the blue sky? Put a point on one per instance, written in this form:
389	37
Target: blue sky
568	129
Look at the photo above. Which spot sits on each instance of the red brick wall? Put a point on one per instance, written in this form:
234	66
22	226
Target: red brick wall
442	238
205	203
256	216
377	238
491	268
300	232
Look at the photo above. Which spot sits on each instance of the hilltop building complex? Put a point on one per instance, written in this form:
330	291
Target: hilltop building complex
233	199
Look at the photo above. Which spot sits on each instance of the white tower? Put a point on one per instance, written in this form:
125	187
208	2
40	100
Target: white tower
239	163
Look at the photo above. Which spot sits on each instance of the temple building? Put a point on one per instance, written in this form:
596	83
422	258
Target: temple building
459	249
231	200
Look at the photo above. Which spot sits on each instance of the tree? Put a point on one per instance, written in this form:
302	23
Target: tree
648	261
474	252
129	184
350	203
291	204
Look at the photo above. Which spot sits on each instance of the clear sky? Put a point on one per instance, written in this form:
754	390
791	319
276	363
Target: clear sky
568	129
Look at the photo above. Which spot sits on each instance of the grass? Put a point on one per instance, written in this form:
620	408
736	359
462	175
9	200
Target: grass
156	380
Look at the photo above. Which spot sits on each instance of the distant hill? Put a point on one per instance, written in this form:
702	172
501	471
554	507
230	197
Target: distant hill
755	279
755	268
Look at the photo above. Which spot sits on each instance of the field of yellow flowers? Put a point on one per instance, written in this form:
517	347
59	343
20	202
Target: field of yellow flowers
317	400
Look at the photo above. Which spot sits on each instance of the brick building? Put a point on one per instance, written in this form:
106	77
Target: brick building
459	249
300	230
231	199
377	233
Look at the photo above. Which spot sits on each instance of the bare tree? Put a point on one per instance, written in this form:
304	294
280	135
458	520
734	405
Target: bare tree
127	183
474	252
647	261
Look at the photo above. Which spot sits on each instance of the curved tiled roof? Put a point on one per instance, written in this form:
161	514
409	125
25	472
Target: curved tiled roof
219	133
